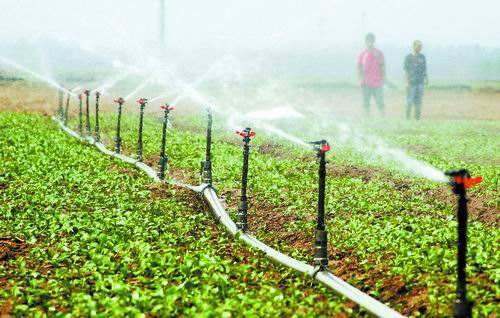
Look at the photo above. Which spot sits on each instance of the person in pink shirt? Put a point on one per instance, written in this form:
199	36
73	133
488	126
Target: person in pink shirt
371	70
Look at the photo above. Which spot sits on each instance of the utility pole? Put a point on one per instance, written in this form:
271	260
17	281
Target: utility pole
162	24
363	23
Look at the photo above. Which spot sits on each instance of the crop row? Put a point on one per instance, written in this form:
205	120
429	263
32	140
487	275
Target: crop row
390	236
83	235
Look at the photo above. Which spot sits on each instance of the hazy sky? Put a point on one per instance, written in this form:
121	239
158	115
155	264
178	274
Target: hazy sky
255	23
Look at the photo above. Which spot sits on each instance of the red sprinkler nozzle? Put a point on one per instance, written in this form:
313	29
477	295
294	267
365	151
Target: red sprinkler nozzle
245	134
322	146
325	147
463	177
119	101
468	182
80	96
167	107
142	101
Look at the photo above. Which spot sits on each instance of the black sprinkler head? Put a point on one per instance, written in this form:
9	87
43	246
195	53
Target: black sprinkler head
458	173
461	180
321	146
119	101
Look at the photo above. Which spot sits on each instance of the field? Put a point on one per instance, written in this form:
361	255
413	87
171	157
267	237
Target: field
86	234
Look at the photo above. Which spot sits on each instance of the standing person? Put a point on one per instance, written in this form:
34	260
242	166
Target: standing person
371	70
416	77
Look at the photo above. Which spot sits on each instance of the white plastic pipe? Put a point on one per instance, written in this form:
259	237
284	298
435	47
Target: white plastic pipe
327	278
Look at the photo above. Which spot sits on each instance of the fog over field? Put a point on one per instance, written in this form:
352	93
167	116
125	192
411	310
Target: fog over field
299	38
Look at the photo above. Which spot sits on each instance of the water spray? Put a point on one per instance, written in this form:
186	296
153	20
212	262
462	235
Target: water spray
66	112
97	133
460	182
320	243
206	166
138	89
110	83
142	104
45	79
87	112
118	140
163	157
242	222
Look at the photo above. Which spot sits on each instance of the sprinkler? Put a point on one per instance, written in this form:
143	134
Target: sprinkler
66	114
242	222
80	114
97	134
320	244
163	157
87	112
460	182
118	140
142	103
206	166
60	98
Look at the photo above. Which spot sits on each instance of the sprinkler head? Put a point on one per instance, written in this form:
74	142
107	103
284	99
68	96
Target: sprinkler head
86	92
80	96
142	101
167	107
463	178
120	101
454	173
97	94
321	146
247	134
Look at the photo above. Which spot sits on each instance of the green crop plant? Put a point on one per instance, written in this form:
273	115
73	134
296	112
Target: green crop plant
91	236
391	234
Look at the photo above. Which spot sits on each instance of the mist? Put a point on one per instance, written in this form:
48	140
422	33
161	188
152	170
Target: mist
246	57
321	38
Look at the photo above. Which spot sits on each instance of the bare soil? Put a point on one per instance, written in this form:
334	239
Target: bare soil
479	208
6	309
438	104
11	248
266	218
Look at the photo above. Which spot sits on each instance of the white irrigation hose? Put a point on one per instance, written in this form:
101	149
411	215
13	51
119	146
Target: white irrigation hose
68	130
327	278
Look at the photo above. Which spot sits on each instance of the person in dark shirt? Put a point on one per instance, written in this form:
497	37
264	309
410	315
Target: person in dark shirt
416	76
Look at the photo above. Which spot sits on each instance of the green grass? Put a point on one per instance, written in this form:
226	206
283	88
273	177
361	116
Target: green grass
97	239
387	230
